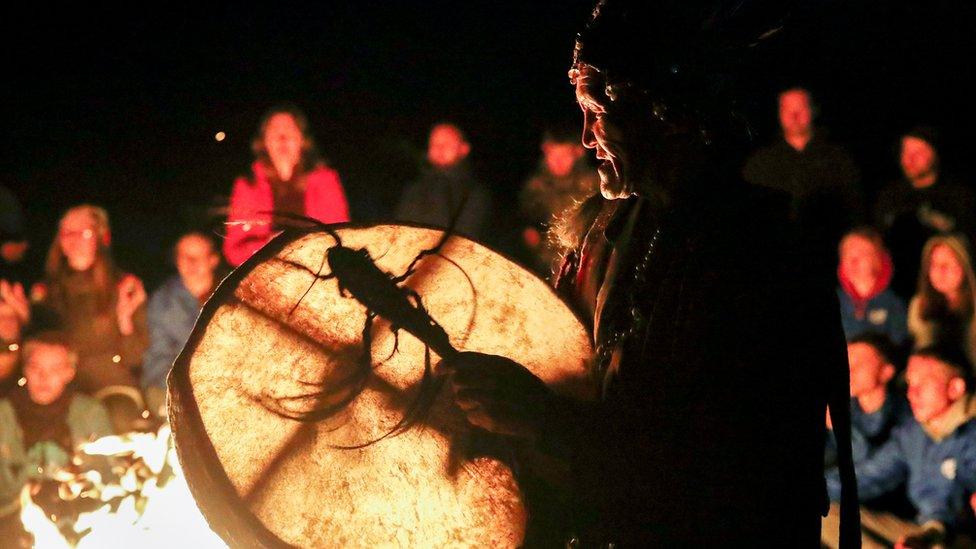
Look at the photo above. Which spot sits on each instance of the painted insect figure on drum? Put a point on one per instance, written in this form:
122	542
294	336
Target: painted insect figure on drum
358	276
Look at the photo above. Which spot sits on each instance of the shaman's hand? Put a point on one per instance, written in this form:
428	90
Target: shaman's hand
498	394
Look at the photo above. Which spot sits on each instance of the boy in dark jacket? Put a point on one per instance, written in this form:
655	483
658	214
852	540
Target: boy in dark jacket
933	455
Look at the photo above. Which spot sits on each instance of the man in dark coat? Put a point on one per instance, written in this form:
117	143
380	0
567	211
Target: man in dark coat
923	203
710	426
820	177
446	186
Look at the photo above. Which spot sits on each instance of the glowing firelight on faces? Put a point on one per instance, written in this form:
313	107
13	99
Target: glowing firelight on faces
77	238
932	387
918	157
946	273
860	260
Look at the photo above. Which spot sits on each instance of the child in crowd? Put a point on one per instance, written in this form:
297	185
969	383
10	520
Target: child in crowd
173	309
941	313
933	455
42	423
875	408
867	304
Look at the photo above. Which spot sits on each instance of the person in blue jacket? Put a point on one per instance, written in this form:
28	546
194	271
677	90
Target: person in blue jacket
173	309
933	455
876	408
867	303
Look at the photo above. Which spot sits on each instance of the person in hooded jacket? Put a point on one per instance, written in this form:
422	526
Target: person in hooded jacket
867	303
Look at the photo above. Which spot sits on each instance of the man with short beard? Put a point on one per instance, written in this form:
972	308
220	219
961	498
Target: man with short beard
923	203
681	272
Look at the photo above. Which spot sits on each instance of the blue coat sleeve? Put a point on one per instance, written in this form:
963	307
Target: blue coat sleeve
941	501
944	496
967	470
162	347
881	473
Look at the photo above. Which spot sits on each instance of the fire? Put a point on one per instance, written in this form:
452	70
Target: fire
143	502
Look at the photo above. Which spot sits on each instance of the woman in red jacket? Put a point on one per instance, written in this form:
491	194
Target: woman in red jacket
288	177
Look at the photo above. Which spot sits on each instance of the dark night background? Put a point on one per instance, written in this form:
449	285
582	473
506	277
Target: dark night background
120	107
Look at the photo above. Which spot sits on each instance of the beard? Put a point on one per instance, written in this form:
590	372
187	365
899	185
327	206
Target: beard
614	183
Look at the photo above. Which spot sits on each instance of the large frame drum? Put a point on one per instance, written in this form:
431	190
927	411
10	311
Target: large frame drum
255	362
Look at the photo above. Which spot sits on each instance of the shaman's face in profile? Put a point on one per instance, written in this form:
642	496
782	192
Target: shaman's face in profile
603	134
645	149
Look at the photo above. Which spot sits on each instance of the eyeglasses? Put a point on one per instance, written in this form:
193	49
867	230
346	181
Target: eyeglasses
86	234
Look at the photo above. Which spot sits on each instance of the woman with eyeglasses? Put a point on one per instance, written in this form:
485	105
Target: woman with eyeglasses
100	308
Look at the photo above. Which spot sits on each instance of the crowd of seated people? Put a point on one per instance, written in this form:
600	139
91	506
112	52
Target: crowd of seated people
86	350
913	416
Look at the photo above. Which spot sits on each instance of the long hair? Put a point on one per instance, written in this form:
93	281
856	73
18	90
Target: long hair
310	155
569	227
931	302
103	272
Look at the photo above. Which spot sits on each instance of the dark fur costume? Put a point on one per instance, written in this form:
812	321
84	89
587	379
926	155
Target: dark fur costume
710	431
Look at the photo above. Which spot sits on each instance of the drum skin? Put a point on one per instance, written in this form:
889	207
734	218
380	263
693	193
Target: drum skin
263	479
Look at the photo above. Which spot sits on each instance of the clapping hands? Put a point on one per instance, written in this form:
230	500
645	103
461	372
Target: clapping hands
12	294
131	296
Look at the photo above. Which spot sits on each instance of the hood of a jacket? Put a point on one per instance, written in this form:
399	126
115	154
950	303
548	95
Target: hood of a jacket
880	284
